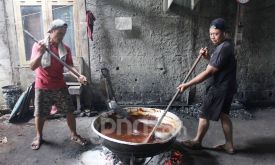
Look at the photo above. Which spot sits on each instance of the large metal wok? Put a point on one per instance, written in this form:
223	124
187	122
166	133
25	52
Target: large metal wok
139	150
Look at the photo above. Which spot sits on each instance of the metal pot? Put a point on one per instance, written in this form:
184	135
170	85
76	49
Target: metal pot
139	150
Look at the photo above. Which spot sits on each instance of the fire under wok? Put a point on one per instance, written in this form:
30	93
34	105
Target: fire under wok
125	136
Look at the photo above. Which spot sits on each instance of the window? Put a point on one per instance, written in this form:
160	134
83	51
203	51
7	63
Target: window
166	4
35	17
190	4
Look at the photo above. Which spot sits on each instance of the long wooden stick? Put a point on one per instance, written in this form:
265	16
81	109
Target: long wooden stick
173	99
55	56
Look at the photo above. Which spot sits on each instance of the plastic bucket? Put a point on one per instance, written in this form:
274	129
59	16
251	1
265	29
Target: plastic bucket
11	93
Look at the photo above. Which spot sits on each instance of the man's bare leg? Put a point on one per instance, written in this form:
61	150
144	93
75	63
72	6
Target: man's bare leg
228	134
39	124
71	123
202	129
72	126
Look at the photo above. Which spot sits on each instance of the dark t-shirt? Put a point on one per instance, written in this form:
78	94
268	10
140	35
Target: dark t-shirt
223	58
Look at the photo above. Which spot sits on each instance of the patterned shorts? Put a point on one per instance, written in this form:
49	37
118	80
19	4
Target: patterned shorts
44	99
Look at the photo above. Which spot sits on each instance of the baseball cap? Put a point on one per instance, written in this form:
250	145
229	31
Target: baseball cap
57	23
218	23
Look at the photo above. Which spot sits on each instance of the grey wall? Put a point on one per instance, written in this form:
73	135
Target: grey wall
5	63
257	53
149	61
10	70
146	62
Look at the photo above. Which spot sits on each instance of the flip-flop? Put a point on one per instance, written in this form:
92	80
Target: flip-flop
222	147
79	140
192	144
36	143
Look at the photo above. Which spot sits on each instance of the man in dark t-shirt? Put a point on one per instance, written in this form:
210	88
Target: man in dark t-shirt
221	73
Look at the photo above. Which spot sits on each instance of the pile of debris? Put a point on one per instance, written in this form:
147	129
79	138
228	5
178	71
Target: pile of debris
4	110
238	110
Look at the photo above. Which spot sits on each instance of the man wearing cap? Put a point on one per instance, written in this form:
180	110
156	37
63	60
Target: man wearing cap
221	72
50	86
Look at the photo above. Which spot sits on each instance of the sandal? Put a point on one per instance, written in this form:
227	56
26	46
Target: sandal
192	144
222	147
79	140
36	143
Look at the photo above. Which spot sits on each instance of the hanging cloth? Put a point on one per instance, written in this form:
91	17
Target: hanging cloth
90	18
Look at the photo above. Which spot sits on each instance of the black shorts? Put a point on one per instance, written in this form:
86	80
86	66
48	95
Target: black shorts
215	102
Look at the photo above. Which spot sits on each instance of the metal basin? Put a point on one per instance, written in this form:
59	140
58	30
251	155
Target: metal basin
124	148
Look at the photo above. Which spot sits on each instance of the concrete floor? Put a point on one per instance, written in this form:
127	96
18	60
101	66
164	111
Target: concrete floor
254	141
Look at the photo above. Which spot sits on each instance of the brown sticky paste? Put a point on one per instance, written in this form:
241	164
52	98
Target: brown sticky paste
138	135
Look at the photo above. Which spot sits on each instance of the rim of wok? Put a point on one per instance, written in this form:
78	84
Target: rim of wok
129	109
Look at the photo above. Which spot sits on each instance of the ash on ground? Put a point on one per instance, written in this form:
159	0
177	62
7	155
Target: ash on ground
102	155
238	110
